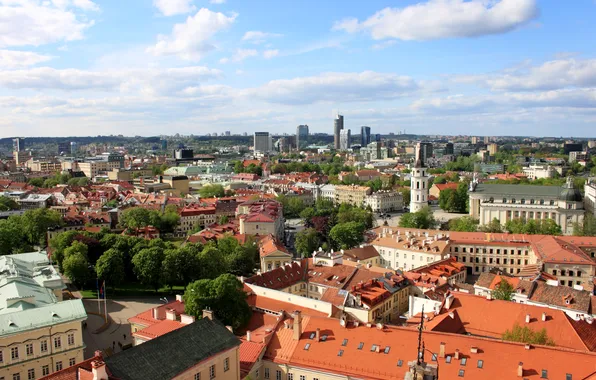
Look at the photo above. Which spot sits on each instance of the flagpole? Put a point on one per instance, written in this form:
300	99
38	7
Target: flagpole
98	294
105	300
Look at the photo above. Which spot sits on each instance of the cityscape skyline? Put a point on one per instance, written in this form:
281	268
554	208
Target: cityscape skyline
196	66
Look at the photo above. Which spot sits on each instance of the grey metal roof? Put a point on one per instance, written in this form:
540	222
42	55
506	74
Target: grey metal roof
506	190
173	353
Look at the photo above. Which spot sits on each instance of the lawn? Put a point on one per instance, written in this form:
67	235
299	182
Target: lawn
133	289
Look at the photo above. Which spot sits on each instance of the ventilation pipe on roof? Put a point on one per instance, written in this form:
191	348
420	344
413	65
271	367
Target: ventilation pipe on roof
318	335
456	355
520	369
442	350
543	317
527	318
248	336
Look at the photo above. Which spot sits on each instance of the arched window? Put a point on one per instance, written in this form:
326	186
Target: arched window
523	201
491	200
512	200
504	200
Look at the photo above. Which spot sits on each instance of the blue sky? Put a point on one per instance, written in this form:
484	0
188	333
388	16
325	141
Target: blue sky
151	67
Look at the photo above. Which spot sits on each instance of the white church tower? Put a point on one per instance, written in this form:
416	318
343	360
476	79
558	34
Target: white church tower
419	184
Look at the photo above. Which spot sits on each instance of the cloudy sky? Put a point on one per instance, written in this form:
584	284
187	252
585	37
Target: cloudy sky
151	67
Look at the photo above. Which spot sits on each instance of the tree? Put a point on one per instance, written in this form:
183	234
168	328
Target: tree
463	224
224	295
37	182
147	265
349	213
35	224
493	227
7	204
527	335
241	262
420	219
11	237
111	204
307	241
169	220
587	227
76	268
503	291
347	235
212	191
59	244
440	180
533	227
180	266
137	217
50	182
307	213
76	248
212	263
223	219
110	267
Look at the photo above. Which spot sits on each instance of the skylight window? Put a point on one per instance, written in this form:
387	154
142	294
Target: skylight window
307	346
340	353
312	335
323	338
480	363
544	374
387	349
461	373
344	343
360	345
448	359
464	361
568	377
400	363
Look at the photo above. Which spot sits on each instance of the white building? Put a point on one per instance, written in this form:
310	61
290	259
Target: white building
345	137
539	171
327	192
419	186
590	196
263	142
385	201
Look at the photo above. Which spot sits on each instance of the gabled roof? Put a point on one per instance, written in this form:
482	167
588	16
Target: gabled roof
269	245
279	278
361	253
172	354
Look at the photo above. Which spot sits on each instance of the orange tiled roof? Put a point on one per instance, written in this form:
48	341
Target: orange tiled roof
269	244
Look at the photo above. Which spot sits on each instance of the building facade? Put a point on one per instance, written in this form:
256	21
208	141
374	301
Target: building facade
364	136
385	201
351	194
338	126
262	142
301	136
345	138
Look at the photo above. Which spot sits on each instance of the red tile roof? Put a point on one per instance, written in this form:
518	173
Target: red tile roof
269	244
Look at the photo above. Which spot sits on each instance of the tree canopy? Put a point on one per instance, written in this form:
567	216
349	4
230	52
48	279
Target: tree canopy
503	291
212	191
421	219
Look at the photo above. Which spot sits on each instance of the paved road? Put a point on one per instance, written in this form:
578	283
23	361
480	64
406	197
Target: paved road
119	331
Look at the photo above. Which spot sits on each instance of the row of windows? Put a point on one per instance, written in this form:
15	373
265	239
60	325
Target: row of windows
489	250
278	375
492	261
43	347
523	201
212	371
567	273
45	370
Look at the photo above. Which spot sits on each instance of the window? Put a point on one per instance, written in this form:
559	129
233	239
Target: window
58	365
386	351
16	376
70	339
198	376
212	372
464	361
312	335
1	356
31	374
306	346
290	376
226	364
340	353
434	357
344	343
45	370
544	374
278	375
448	359
29	348
14	353
302	377
461	373
360	345
323	338
480	363
44	346
71	362
266	373
568	377
400	363
57	342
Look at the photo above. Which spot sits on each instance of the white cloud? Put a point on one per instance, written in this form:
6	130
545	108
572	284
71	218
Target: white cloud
12	59
239	72
148	81
34	23
240	55
270	53
217	1
335	87
174	7
191	40
436	19
384	44
257	37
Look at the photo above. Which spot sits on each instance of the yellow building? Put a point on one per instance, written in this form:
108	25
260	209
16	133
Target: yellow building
273	254
351	194
39	332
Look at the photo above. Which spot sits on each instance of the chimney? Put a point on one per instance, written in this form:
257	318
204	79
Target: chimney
248	336
171	314
543	317
474	350
186	319
442	350
378	349
297	325
456	355
208	314
98	368
318	335
520	369
155	313
179	298
527	318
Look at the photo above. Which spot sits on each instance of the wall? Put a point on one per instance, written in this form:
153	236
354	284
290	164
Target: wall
321	306
416	304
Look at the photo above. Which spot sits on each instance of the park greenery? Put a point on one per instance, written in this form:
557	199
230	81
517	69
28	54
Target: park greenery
7	204
139	217
587	227
21	233
331	227
58	179
514	226
420	219
455	200
212	191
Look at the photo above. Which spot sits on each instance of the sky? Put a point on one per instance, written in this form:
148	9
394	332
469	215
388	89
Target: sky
161	67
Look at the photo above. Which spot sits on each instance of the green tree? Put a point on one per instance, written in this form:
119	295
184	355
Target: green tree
110	267
223	219
37	182
50	182
347	235
224	295
440	180
212	263
76	268
76	248
533	227
35	224
139	217
421	219
587	227
307	241
60	243
241	262
147	265
347	213
503	291
463	224
111	204
527	335
7	204
12	239
493	227
180	266
212	191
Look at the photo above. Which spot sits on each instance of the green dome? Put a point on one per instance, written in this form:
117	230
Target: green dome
569	193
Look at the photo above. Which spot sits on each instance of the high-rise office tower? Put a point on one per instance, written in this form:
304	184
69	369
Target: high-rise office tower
338	125
18	144
449	148
74	148
424	150
345	138
364	136
301	135
262	142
